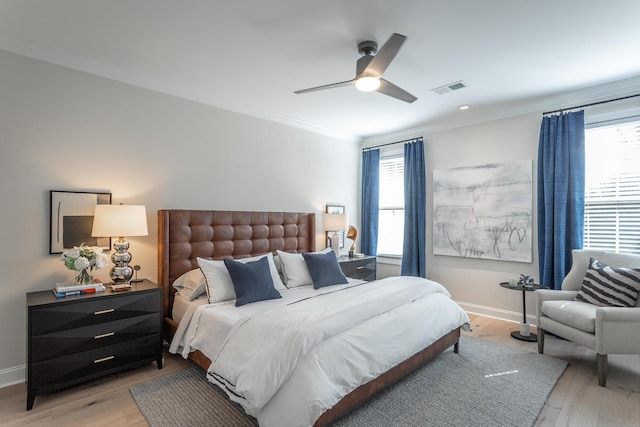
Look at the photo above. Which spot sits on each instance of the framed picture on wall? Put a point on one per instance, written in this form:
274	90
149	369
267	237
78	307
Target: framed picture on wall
336	209
71	219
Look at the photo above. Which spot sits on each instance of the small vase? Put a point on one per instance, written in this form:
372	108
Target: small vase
84	278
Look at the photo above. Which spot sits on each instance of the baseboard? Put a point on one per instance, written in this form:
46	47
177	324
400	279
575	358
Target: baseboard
496	313
11	376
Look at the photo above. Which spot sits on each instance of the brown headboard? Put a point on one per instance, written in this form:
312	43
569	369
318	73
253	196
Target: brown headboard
184	235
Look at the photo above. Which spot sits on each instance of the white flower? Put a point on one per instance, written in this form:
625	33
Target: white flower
102	260
81	263
72	253
84	257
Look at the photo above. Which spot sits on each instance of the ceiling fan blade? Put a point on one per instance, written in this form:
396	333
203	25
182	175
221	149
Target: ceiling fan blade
329	86
385	55
390	89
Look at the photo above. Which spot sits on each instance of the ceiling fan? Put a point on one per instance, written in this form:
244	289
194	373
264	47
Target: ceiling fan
370	67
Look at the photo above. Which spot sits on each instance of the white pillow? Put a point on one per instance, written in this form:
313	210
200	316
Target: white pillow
219	284
278	262
294	268
191	284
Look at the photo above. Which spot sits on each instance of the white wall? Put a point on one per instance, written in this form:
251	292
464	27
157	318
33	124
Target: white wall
66	130
474	283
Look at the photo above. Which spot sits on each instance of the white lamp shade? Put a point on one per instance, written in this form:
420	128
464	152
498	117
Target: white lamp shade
119	221
335	221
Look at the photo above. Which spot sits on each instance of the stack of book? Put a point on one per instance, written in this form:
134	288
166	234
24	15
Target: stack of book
67	289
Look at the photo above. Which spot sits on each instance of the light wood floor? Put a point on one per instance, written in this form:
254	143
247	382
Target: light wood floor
576	400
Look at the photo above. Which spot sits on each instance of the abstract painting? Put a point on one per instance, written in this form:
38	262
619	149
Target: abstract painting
484	211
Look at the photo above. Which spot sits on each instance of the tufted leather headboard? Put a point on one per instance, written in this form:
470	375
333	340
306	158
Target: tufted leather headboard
184	235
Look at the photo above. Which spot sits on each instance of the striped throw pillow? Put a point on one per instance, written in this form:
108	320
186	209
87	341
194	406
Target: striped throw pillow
609	287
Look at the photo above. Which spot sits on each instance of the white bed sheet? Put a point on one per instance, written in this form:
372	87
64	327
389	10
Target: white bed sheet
320	380
369	350
218	318
182	305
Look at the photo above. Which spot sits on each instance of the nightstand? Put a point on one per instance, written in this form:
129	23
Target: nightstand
78	338
359	268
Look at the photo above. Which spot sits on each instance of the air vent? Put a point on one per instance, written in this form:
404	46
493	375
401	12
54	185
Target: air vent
448	88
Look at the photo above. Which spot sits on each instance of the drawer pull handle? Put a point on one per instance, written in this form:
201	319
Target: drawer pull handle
360	268
109	334
110	310
104	359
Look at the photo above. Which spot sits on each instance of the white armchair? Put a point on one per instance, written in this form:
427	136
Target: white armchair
606	330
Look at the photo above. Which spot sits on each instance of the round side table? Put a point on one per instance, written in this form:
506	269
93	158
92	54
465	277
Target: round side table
528	288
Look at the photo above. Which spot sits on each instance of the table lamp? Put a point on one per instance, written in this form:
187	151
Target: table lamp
119	221
333	223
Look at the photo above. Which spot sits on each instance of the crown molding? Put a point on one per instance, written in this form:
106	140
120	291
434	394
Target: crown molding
79	63
550	102
564	100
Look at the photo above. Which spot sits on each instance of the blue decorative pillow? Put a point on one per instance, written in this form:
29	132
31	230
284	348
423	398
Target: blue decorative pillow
251	281
324	269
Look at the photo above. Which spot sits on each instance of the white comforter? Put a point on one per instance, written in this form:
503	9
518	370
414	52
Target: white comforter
289	360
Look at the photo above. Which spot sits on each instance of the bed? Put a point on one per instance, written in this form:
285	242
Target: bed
186	235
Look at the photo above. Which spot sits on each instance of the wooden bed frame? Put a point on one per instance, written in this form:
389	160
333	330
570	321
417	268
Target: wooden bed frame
184	235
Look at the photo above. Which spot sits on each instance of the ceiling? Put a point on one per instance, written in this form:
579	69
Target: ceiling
250	56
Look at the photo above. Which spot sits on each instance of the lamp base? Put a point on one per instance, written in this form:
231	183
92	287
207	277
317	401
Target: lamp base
335	244
121	272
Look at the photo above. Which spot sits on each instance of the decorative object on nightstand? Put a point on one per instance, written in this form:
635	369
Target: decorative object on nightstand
333	223
363	268
352	234
119	221
79	338
526	280
136	268
84	259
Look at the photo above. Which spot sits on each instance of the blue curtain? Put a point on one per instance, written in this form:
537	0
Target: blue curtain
370	201
561	163
413	250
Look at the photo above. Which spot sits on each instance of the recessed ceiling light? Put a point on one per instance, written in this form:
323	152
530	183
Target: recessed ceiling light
463	107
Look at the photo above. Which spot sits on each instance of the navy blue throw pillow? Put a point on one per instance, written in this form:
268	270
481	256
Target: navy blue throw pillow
324	269
252	281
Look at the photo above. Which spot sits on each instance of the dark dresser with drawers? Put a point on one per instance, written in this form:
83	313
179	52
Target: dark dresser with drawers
78	338
359	268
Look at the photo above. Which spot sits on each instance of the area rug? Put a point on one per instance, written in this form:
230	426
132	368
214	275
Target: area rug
485	384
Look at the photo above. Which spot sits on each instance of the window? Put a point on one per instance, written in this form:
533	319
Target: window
612	187
391	215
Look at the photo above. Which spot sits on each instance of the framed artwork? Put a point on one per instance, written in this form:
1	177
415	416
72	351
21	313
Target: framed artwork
336	209
71	219
484	211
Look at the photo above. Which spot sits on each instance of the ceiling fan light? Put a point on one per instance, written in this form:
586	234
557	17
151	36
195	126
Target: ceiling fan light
368	84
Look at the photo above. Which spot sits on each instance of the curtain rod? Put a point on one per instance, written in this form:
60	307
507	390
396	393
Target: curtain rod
391	143
591	104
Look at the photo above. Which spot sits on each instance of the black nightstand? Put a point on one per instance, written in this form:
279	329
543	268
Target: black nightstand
359	268
78	338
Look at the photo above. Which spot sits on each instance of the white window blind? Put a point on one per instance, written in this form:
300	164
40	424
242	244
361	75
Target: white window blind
612	188
391	214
